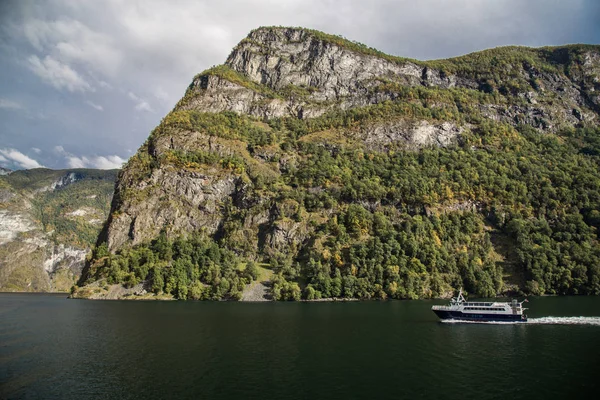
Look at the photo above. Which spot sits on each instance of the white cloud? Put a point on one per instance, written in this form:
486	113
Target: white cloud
3	159
74	43
19	159
9	104
162	95
36	150
94	105
57	74
109	162
104	84
154	48
141	104
76	162
99	162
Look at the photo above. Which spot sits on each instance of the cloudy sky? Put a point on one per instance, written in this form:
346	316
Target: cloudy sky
82	83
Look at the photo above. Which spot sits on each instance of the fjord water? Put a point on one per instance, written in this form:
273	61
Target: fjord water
51	347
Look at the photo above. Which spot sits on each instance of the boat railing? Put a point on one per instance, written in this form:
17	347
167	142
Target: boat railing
441	307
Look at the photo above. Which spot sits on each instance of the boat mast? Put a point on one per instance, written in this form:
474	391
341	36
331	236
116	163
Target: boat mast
460	297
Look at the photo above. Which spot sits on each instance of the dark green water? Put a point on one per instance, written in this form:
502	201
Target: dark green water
53	348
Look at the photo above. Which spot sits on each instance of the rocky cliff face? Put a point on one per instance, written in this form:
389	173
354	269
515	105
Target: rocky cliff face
229	146
298	73
336	75
48	221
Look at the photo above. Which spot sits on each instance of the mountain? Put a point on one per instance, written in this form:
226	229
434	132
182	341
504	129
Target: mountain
331	169
49	220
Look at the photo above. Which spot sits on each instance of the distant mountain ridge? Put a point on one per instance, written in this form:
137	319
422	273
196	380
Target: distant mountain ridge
353	173
49	221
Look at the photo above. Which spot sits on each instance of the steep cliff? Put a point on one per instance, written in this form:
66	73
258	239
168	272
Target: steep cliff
48	222
304	146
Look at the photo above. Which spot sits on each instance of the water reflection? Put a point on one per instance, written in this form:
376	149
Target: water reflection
57	348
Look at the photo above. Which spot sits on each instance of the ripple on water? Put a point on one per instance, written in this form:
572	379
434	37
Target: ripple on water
51	347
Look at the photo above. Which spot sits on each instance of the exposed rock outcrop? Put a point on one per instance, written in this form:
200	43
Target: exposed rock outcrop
179	201
333	76
414	134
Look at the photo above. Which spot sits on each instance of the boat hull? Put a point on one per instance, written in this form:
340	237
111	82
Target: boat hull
459	315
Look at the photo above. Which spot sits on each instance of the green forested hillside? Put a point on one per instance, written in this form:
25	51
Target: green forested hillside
351	202
387	224
54	206
49	219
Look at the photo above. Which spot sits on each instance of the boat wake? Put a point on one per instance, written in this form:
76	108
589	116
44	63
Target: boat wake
565	321
535	321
